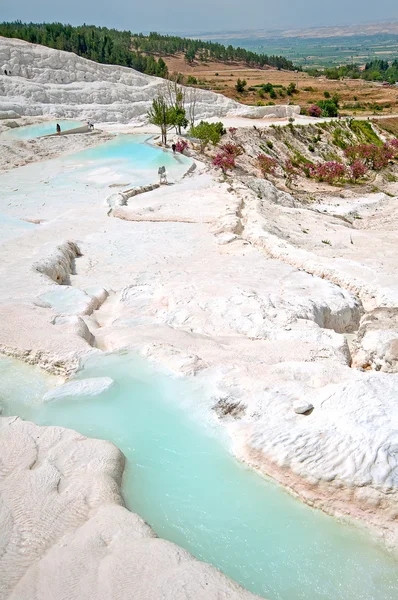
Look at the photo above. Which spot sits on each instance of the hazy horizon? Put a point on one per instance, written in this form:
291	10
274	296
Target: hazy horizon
210	16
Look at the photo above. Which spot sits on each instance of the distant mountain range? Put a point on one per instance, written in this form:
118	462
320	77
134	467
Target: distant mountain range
387	27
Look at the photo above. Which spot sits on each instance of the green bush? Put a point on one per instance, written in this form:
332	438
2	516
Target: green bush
268	87
326	94
240	85
328	108
191	80
207	132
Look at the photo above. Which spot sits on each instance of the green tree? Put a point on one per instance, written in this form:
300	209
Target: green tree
190	54
178	118
162	115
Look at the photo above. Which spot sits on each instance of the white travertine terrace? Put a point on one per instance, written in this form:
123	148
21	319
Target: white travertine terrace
208	280
45	81
66	534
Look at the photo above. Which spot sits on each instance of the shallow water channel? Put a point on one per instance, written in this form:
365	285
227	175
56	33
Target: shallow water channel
182	479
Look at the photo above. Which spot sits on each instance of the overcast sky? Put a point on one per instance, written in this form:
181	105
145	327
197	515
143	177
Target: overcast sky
202	15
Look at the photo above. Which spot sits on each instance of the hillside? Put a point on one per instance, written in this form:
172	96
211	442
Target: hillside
110	46
45	81
357	96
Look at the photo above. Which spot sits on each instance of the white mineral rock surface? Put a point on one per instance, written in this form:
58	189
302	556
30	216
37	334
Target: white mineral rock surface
207	279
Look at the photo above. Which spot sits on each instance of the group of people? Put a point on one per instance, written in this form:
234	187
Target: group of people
7	72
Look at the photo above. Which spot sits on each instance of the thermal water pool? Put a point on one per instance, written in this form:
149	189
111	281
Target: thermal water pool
47	189
30	132
181	478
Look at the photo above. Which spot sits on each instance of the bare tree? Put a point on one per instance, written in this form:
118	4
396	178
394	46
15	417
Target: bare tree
191	97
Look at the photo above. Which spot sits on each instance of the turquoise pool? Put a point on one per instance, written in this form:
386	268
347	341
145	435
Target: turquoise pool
46	189
125	158
182	479
34	131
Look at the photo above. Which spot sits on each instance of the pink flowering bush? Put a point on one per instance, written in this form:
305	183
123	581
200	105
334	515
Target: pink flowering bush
309	170
232	149
358	169
181	146
330	171
224	161
232	130
375	157
289	168
266	164
394	147
314	111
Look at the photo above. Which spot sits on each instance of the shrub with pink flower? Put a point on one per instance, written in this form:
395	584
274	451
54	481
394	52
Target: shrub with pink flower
358	169
393	145
232	131
266	164
330	171
309	170
375	157
289	168
181	146
314	111
232	149
224	161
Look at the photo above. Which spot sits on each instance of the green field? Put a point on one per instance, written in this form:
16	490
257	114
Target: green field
324	52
